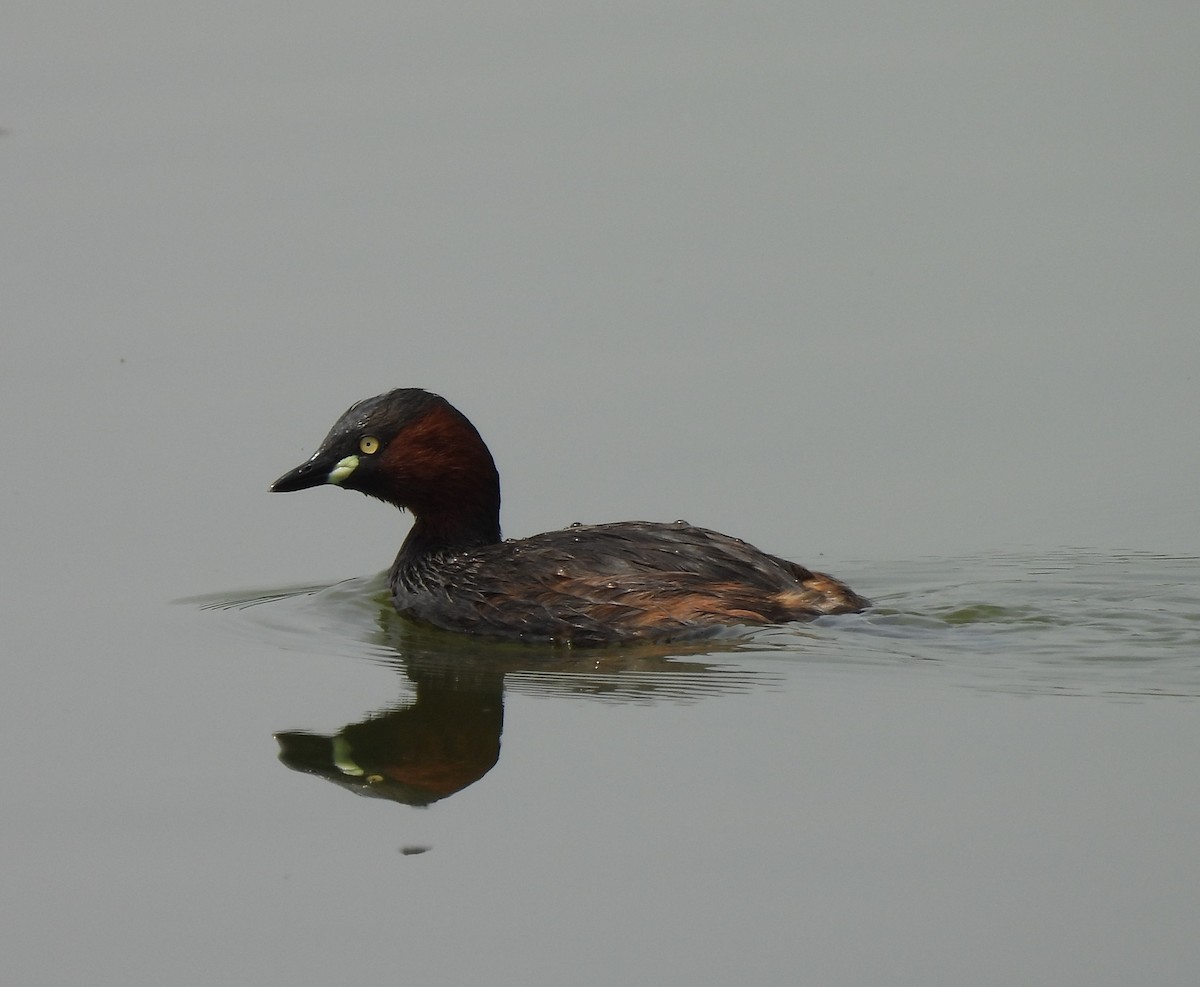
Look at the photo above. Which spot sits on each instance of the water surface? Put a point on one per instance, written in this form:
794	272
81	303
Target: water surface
987	778
852	281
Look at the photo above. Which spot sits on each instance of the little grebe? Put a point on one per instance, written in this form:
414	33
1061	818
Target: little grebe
586	584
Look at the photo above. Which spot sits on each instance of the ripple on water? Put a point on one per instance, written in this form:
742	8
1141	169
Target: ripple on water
1072	622
354	618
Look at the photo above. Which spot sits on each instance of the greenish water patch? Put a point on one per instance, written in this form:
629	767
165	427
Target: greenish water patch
987	613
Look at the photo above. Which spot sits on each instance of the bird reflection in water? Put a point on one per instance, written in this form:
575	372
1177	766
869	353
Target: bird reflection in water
448	736
446	739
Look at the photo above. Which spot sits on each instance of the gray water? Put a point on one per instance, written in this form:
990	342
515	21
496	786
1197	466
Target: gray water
907	295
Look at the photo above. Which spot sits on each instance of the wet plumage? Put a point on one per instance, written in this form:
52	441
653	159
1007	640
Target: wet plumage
590	584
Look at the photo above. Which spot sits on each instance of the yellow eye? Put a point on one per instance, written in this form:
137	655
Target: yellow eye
368	444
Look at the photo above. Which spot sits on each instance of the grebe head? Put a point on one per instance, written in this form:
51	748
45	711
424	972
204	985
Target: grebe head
415	450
